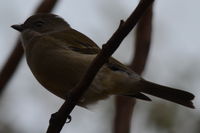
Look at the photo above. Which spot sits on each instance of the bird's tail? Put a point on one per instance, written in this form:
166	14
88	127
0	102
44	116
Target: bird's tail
174	95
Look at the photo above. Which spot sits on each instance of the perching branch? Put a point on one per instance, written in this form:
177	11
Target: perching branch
17	53
60	117
125	105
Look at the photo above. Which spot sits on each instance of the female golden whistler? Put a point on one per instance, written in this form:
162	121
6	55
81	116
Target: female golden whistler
58	56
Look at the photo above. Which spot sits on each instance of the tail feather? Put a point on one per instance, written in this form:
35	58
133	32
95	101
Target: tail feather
139	96
174	95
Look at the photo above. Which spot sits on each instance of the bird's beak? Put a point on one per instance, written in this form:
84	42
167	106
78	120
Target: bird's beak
17	27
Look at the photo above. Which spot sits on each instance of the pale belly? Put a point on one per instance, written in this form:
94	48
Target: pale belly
60	75
59	72
61	83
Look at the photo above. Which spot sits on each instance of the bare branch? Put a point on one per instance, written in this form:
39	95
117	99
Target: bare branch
59	118
143	42
123	115
125	105
17	53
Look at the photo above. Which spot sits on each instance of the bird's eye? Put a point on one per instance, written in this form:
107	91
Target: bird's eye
39	23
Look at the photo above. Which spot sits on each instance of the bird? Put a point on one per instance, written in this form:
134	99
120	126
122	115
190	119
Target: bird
59	55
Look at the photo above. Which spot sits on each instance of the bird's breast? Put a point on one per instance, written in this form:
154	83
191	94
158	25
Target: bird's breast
58	70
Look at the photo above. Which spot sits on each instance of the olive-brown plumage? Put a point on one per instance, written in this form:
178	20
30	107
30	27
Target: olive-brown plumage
58	56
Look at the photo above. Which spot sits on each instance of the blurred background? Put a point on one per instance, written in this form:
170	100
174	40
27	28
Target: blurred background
174	60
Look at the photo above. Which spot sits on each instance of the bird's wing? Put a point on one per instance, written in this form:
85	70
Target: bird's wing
115	65
76	41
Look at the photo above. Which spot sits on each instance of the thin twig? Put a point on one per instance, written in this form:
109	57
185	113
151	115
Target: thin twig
59	118
125	105
17	53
